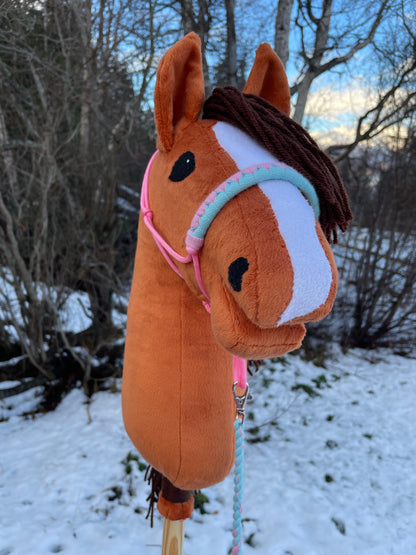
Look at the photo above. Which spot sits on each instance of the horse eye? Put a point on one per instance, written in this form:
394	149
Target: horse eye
183	167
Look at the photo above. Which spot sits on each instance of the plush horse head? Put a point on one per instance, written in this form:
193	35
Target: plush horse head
245	203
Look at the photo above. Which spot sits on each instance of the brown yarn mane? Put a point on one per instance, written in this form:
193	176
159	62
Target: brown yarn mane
290	144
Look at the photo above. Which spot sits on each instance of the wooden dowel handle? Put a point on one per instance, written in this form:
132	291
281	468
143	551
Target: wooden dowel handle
173	534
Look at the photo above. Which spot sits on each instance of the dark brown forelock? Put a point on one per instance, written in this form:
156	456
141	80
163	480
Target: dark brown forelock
290	144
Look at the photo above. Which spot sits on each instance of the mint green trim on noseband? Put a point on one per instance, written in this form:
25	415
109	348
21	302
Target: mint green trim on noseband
239	182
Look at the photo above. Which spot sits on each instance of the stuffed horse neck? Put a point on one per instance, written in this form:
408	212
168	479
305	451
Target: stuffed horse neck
247	196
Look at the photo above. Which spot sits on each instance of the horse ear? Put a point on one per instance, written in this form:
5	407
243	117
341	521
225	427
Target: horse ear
268	79
179	91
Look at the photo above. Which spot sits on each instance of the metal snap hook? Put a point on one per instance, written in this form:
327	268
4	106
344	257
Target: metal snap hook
241	402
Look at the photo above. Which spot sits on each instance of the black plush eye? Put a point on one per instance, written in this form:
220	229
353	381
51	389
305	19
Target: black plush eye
183	167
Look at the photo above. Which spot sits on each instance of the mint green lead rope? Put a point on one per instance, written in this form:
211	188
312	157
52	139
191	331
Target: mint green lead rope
238	486
241	402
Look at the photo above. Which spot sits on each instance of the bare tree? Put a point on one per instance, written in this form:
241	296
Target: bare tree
378	257
318	58
68	115
282	29
395	102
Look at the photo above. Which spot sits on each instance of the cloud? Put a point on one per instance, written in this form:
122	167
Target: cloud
342	134
333	105
332	113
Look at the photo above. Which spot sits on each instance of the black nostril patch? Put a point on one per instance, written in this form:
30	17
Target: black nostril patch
236	271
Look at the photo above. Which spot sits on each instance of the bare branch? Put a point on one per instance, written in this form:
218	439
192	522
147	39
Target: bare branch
359	45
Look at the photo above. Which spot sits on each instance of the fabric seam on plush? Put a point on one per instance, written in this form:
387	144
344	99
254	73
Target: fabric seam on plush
181	328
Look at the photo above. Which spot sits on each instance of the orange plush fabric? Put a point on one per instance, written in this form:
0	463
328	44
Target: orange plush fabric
266	72
179	94
178	405
175	511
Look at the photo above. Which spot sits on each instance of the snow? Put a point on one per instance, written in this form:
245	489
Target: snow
329	468
74	306
76	314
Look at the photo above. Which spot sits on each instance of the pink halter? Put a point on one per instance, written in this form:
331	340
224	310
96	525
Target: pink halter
239	364
164	248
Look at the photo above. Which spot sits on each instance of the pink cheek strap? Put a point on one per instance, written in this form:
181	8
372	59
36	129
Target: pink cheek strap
195	259
166	250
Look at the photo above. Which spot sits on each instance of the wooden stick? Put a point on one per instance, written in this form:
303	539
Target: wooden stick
173	534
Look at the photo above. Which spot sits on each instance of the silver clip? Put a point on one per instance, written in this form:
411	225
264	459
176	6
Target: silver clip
241	401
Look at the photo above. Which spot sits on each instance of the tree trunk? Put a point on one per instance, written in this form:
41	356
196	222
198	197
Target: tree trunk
187	16
201	26
282	29
303	91
231	43
7	154
314	63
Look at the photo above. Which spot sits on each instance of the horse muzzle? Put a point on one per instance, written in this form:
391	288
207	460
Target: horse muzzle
279	267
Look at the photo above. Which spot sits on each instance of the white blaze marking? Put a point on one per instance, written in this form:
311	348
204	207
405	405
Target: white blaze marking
243	149
296	221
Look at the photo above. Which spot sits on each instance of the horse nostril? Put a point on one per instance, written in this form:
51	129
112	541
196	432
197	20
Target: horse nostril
236	271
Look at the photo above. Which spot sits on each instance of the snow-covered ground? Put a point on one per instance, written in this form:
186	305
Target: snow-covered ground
330	469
